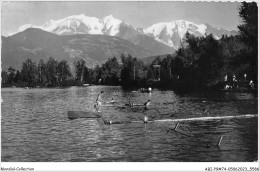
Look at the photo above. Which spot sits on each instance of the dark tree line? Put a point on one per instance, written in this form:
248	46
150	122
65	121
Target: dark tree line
54	73
108	73
200	61
129	70
49	74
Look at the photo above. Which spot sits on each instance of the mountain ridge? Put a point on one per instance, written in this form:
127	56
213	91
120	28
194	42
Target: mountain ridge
38	44
168	33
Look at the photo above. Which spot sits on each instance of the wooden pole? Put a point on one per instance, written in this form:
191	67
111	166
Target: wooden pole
176	126
219	142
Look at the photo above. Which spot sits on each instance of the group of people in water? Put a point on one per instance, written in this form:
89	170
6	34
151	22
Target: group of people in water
99	102
234	83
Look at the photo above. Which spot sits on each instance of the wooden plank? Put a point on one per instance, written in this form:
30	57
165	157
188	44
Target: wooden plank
82	114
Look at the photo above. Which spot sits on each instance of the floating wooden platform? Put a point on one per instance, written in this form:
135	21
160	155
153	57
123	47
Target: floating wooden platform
82	114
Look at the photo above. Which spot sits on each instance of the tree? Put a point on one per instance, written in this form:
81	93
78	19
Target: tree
150	73
234	56
4	76
86	75
126	75
132	69
200	60
166	72
11	76
177	67
111	71
249	27
249	32
100	77
63	72
210	59
79	69
93	75
29	72
41	72
17	77
51	71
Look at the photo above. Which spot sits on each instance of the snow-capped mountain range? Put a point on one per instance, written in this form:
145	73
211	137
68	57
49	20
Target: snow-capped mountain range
167	33
81	24
95	40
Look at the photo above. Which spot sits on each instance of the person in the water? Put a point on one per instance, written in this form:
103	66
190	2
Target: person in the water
147	104
99	101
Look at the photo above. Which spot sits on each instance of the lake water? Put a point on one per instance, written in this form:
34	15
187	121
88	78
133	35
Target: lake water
35	126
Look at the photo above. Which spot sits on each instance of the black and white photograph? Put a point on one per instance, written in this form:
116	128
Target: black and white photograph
129	81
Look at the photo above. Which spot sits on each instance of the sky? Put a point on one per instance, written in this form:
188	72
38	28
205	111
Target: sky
137	13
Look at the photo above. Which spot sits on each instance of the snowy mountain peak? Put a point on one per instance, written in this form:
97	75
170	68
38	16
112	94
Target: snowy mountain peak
109	17
73	25
111	25
171	33
85	19
111	20
83	24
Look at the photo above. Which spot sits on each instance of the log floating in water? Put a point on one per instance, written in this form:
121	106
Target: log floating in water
82	114
116	105
188	119
206	118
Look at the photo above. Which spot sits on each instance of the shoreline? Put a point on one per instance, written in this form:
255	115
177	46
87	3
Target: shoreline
160	87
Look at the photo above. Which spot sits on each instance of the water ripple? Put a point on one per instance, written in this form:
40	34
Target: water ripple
35	126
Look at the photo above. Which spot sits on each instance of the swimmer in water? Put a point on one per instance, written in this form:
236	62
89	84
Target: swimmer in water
147	104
